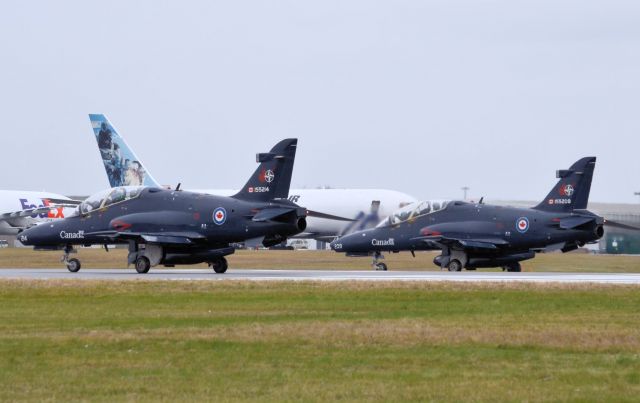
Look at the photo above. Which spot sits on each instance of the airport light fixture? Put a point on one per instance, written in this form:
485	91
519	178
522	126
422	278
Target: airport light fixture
465	189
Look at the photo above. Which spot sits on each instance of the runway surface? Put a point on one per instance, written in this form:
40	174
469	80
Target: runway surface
318	275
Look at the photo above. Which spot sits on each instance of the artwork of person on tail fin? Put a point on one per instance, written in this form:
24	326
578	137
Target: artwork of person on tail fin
122	166
134	175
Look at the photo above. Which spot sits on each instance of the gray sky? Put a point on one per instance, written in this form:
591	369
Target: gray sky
418	96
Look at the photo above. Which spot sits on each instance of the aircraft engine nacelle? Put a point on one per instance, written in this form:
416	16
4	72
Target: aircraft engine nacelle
599	231
302	224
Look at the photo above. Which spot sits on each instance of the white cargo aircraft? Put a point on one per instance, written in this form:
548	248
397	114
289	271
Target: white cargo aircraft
24	209
334	212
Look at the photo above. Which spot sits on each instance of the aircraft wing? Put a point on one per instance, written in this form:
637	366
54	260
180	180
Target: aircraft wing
174	238
33	211
275	212
315	235
479	243
326	216
64	202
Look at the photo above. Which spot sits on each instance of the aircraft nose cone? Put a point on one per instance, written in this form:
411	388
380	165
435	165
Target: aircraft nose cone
29	236
38	235
334	243
348	243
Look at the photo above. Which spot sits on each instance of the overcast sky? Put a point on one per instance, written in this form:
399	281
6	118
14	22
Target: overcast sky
419	96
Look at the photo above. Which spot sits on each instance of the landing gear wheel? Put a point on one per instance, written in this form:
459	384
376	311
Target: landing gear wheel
220	265
381	267
73	265
455	265
514	267
142	264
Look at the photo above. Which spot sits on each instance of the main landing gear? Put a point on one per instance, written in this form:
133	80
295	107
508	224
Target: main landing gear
142	264
451	259
515	267
376	264
219	265
73	265
454	265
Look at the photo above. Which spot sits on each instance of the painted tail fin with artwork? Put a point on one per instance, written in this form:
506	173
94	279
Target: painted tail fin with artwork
272	179
122	165
572	190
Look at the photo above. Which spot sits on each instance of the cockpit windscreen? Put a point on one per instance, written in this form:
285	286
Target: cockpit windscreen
108	197
414	210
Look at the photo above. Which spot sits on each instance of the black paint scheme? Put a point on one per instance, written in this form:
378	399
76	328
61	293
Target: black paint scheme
178	227
475	235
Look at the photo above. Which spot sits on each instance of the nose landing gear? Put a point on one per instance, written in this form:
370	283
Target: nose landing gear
73	265
376	264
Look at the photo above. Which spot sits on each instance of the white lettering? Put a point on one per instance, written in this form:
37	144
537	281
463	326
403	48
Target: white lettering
383	242
72	235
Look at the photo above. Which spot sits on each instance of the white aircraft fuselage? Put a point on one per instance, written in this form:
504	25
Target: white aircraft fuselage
14	203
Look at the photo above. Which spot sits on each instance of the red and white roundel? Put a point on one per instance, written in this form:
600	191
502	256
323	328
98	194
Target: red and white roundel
522	224
219	215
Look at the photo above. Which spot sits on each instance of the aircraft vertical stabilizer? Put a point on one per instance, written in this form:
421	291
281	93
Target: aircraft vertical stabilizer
123	167
272	179
572	190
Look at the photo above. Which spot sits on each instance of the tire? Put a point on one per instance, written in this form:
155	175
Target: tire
381	267
220	266
142	265
73	265
455	265
514	267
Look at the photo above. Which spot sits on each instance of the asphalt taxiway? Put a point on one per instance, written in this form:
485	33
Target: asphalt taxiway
318	275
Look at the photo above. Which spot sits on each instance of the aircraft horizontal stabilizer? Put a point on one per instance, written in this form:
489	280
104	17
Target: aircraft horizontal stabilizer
272	213
574	222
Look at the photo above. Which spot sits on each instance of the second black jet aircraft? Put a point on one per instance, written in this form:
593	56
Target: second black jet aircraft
169	227
475	235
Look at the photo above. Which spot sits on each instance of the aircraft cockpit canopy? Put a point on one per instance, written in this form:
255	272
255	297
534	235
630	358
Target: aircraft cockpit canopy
414	210
108	197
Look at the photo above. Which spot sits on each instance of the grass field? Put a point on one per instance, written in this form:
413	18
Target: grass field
105	341
326	260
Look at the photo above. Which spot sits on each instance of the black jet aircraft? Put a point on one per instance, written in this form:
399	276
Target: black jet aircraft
170	227
475	235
